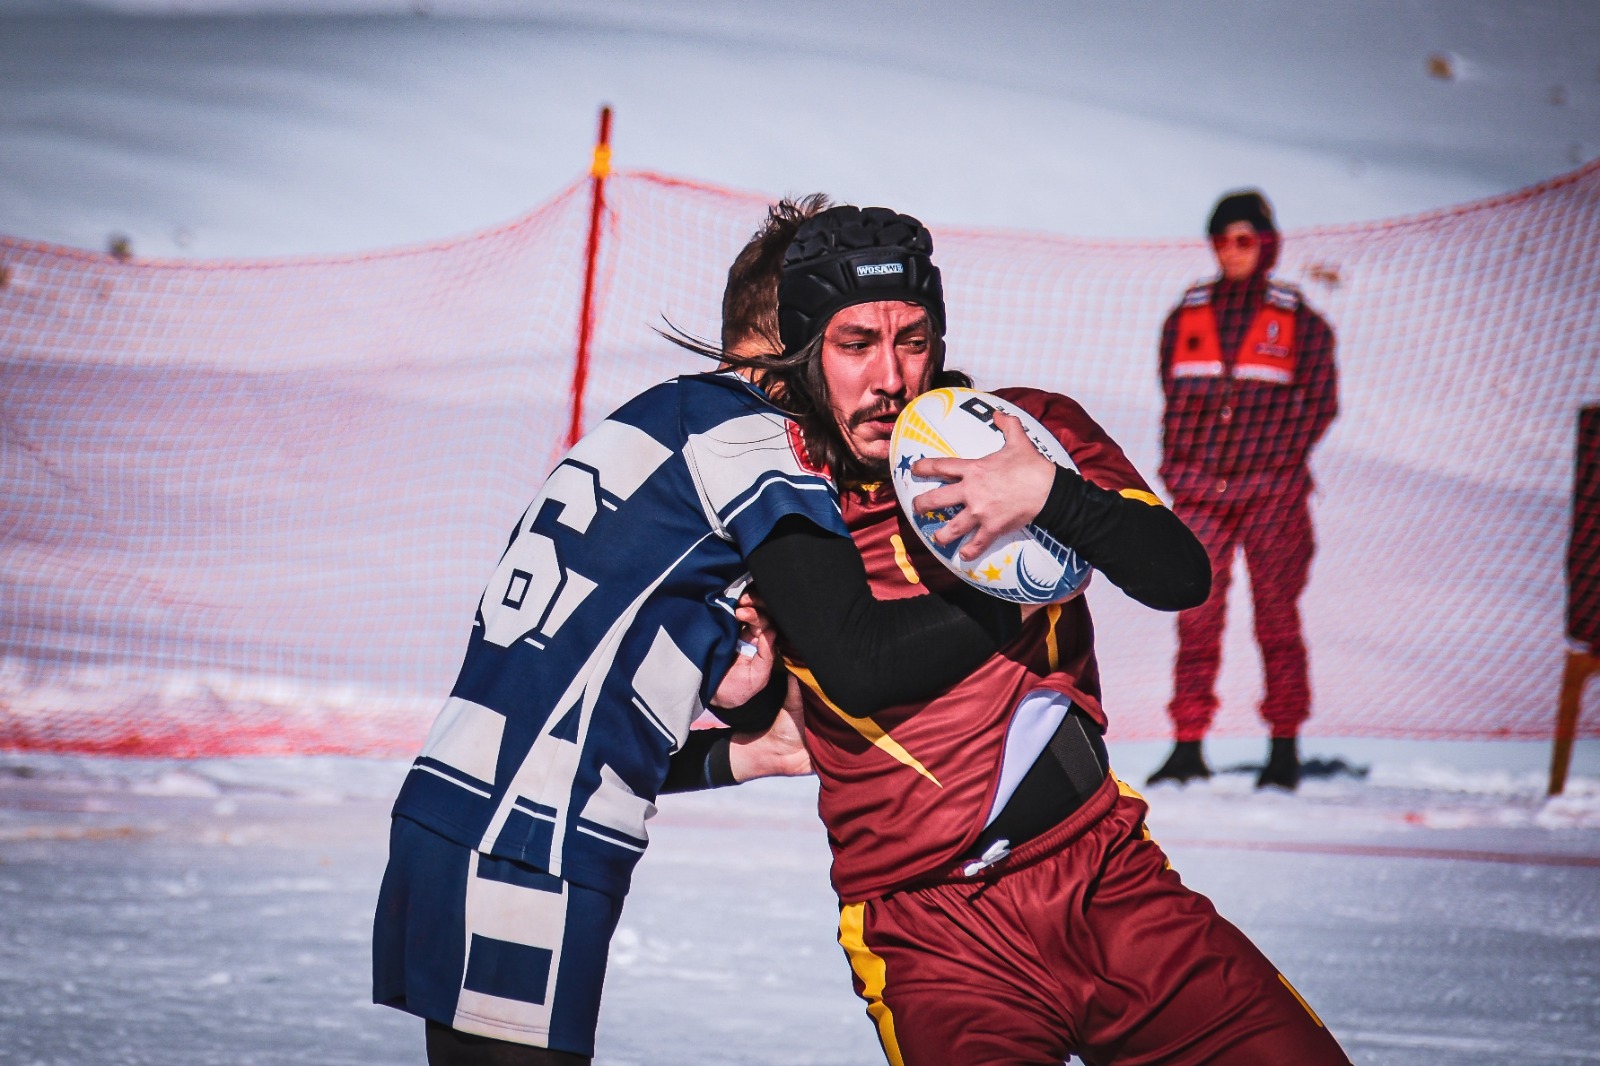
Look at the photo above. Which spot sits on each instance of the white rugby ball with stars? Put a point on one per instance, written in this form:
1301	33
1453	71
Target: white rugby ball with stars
1026	566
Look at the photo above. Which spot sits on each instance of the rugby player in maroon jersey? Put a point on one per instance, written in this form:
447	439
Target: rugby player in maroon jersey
1001	899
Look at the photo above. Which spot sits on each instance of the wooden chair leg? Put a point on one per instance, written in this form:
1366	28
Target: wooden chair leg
1580	667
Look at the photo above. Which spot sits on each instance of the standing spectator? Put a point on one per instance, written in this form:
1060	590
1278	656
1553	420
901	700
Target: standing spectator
1247	369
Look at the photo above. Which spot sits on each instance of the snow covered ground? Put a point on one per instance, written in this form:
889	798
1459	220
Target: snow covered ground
219	912
1436	910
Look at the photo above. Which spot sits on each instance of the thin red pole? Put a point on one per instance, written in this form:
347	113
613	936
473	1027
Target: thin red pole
599	170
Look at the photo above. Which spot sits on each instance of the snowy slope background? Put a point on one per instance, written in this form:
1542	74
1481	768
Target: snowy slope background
1436	910
283	133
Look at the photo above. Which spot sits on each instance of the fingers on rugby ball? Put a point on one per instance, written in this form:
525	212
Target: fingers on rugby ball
1026	566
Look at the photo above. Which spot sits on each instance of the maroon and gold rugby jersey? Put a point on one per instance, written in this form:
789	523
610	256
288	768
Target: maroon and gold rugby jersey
905	791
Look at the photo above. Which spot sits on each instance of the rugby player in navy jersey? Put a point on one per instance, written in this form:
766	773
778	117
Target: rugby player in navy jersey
1001	900
611	620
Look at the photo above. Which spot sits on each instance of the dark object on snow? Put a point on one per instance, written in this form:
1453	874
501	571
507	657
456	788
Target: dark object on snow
1310	769
1185	764
1283	765
1323	768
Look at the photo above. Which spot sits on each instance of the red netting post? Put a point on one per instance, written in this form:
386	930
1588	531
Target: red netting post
599	169
1583	595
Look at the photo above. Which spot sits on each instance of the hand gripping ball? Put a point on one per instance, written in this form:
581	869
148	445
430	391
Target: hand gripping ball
1026	566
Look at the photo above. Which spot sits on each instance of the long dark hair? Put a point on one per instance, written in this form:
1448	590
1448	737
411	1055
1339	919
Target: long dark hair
750	298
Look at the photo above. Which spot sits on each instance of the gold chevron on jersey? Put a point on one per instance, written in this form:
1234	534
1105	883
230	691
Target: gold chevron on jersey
872	731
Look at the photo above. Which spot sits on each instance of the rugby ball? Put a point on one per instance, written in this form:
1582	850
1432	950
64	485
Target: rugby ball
1026	566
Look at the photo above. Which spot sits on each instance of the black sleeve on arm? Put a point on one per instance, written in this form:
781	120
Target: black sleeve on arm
1145	550
866	653
702	762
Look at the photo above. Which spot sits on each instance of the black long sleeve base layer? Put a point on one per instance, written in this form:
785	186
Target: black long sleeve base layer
868	653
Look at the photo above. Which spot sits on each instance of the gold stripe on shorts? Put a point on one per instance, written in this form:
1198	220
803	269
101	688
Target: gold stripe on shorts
872	972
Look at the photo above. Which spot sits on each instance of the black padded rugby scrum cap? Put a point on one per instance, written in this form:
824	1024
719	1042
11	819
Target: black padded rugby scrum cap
853	255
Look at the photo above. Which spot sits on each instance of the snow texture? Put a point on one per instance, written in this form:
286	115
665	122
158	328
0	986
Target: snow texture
294	133
220	912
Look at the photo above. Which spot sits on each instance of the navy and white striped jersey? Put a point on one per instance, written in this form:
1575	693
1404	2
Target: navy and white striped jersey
607	626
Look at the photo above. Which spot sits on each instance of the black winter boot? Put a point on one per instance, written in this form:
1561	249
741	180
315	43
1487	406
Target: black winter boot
1185	764
1283	766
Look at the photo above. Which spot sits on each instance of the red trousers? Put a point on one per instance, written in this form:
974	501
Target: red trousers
1275	533
1083	942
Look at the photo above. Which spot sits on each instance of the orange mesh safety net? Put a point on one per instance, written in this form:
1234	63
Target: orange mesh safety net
250	506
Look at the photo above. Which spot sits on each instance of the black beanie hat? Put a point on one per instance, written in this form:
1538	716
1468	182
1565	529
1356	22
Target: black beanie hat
1247	205
852	255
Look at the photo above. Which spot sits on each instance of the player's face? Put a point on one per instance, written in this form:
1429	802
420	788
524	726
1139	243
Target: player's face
1238	250
875	357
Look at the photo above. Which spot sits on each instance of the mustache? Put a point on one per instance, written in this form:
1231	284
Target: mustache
888	405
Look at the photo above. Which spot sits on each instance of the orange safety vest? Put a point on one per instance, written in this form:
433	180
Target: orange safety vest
1267	352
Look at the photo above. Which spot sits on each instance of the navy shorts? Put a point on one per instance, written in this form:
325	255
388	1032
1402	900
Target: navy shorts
489	946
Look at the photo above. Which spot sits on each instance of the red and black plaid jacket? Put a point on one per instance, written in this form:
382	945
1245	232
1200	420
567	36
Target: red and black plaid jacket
1227	437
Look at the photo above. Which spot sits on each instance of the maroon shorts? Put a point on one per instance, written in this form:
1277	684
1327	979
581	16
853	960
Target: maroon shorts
1083	942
